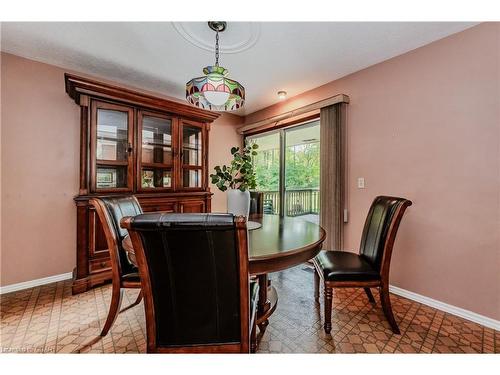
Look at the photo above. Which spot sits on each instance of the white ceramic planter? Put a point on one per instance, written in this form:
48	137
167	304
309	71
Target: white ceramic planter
238	202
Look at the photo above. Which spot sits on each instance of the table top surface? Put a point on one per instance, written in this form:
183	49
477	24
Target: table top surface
279	243
280	236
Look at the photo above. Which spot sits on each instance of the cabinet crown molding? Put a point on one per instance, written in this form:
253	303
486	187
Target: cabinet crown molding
77	86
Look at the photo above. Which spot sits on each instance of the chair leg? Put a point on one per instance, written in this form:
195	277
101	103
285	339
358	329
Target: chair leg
137	301
316	286
369	294
253	338
386	306
328	309
263	325
116	300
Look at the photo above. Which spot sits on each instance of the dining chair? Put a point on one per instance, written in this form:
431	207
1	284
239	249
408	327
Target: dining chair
124	274
195	280
369	268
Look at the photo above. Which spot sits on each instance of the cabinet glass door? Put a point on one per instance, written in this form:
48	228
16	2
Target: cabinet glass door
192	151
112	139
156	152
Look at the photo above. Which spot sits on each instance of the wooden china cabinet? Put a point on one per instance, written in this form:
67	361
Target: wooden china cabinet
133	143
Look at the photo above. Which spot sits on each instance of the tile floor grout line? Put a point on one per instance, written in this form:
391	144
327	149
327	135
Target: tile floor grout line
427	335
98	324
109	335
20	320
443	314
128	321
347	333
50	319
94	293
401	329
36	291
56	309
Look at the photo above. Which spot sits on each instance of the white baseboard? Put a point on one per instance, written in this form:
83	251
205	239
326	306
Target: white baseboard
462	313
32	283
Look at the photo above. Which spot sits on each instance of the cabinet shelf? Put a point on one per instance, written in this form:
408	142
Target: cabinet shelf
111	163
157	165
168	145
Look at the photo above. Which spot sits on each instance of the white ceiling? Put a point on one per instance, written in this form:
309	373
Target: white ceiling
265	56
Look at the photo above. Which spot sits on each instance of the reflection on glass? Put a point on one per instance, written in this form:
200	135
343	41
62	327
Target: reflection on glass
191	177
112	135
156	178
156	140
191	145
111	177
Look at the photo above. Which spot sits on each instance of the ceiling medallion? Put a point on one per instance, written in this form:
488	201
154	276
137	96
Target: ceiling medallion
215	91
243	36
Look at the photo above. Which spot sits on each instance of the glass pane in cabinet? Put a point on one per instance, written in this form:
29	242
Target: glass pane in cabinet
156	140
111	177
156	178
191	177
112	135
191	145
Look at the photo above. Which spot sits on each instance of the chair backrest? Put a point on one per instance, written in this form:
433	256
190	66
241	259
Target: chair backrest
256	203
194	275
110	211
380	230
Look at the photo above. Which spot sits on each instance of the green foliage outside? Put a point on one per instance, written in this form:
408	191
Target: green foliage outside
302	168
267	170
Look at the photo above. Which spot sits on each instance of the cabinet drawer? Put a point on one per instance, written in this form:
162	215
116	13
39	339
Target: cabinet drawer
192	206
99	265
159	206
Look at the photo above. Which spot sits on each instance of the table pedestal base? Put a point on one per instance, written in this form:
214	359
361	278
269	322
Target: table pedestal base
268	300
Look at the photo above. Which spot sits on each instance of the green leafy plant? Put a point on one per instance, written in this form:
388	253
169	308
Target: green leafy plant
240	174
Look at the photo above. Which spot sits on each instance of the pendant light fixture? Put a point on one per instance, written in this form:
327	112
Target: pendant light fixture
215	91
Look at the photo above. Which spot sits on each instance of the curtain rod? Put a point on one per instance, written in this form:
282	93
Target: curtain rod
340	98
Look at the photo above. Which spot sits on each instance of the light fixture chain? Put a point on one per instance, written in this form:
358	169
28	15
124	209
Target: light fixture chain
217	48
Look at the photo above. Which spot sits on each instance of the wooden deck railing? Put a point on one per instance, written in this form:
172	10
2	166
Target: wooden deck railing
297	202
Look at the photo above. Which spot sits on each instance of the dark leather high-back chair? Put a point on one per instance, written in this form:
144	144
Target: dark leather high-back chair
369	268
256	203
194	272
124	274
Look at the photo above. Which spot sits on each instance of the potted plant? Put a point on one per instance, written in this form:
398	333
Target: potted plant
237	179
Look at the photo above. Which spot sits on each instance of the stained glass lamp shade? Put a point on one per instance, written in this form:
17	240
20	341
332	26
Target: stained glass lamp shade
215	91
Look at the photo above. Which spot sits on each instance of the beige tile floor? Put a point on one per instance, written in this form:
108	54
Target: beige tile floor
48	319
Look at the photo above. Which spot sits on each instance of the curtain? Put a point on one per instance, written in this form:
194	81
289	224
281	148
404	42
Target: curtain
332	178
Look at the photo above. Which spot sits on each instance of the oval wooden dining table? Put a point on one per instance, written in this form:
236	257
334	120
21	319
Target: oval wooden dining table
279	243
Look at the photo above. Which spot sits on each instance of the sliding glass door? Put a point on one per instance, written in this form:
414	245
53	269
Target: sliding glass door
301	192
287	169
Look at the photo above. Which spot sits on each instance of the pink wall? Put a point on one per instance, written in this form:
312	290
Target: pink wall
223	136
40	163
40	150
426	126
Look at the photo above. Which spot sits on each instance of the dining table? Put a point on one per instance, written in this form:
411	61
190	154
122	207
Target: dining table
274	244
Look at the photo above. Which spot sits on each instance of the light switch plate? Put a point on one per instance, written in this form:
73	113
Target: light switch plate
361	182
